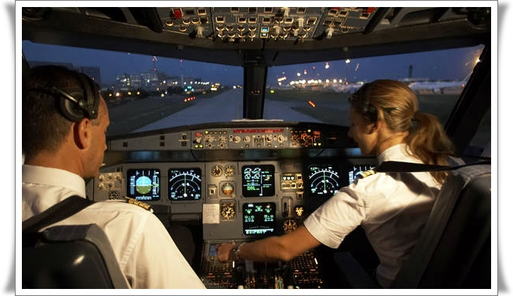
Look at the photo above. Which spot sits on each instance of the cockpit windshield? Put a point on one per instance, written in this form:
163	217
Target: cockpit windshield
136	86
186	92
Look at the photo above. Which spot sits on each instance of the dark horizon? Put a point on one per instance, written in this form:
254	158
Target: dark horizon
425	65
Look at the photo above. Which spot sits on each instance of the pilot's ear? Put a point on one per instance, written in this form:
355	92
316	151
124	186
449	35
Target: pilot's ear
376	126
83	133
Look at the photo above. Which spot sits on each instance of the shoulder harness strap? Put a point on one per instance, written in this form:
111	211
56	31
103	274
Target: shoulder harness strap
56	213
402	167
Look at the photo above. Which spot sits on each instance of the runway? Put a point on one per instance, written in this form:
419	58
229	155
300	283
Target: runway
224	108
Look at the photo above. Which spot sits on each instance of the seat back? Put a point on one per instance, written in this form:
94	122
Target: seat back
454	250
68	257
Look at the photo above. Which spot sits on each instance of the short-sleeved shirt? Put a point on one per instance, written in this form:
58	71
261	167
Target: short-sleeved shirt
146	253
391	207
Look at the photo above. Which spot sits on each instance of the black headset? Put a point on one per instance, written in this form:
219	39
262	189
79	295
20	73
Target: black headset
368	109
77	104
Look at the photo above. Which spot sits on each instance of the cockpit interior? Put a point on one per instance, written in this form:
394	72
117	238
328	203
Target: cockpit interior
255	174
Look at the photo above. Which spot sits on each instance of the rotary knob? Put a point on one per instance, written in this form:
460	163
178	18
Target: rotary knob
216	171
228	211
289	225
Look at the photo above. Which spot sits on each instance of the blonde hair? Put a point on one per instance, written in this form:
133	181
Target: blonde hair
397	105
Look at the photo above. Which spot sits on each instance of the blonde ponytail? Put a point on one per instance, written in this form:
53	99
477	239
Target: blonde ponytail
427	140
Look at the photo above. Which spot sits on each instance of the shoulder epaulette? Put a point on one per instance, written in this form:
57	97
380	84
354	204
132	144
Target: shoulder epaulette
366	173
143	205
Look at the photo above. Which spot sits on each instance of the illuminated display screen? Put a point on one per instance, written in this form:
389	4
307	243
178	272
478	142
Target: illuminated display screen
184	184
259	218
357	169
143	184
257	180
324	180
212	250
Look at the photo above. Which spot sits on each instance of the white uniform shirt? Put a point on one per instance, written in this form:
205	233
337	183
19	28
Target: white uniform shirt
391	207
144	249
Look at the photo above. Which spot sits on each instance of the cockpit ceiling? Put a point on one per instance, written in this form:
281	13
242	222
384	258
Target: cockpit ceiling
272	35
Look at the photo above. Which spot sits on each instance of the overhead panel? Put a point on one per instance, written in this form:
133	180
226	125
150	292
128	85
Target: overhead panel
247	24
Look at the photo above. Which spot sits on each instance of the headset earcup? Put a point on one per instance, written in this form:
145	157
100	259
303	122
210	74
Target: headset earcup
90	96
69	109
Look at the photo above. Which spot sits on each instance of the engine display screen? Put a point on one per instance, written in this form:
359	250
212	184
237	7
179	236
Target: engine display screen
259	218
258	180
184	184
143	184
324	180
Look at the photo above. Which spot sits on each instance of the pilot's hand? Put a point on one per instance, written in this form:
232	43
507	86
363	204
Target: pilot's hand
225	252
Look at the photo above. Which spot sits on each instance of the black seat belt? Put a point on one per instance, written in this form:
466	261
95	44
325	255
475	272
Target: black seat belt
403	167
56	213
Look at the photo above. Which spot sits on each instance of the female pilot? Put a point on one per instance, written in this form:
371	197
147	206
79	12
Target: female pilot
392	208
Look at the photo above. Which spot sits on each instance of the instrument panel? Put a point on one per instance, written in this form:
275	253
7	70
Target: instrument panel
237	181
232	199
240	179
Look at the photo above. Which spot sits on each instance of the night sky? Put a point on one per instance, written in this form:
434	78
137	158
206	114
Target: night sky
454	64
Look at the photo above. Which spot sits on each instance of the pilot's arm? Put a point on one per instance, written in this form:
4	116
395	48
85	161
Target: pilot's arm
273	248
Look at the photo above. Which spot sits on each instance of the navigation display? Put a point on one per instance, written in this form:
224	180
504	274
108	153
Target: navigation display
184	184
324	180
258	180
259	218
143	184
